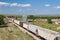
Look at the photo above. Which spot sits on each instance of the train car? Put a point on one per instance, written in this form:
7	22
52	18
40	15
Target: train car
17	22
25	25
33	28
10	19
30	27
44	33
48	34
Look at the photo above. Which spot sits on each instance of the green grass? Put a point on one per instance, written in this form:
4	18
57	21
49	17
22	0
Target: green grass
13	33
47	25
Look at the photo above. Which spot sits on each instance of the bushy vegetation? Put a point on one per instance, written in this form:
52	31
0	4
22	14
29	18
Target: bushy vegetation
13	33
10	16
31	17
49	20
47	25
2	19
15	17
52	17
42	17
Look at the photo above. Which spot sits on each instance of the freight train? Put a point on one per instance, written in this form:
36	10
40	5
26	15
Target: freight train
39	31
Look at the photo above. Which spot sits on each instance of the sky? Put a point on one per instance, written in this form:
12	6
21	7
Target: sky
30	7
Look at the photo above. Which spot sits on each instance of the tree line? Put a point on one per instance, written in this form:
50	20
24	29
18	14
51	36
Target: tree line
43	17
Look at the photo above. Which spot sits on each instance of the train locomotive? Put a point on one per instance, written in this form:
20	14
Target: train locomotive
44	33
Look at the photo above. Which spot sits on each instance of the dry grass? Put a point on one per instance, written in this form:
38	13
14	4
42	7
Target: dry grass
47	25
13	33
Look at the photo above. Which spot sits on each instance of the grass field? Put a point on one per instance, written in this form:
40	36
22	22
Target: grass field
48	26
13	33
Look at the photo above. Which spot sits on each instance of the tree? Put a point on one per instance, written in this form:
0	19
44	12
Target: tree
2	19
31	17
18	17
49	20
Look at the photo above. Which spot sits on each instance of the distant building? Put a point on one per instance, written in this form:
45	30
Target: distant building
54	20
57	22
30	21
43	19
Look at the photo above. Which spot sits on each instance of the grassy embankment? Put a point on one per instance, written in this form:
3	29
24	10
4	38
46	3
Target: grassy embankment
13	33
47	25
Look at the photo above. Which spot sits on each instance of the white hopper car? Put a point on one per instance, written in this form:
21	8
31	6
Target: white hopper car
45	33
17	22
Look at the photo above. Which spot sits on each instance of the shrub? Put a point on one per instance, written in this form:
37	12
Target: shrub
49	20
2	19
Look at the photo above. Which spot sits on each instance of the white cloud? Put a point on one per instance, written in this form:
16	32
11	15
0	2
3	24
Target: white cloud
4	3
47	5
20	5
58	7
25	5
14	4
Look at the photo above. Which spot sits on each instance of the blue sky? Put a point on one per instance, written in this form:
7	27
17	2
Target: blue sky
35	7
